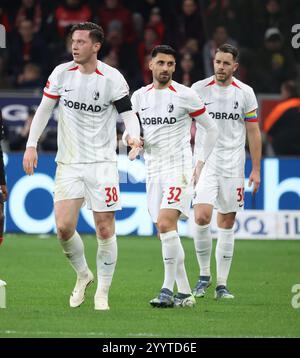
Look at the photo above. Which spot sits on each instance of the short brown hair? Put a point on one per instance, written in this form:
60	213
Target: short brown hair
227	48
96	32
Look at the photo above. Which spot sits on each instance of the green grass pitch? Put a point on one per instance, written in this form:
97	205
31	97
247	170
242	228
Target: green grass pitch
39	282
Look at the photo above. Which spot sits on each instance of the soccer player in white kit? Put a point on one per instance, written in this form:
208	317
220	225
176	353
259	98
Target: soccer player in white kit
233	106
165	109
90	95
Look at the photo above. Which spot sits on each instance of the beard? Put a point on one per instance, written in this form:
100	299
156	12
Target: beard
164	78
222	77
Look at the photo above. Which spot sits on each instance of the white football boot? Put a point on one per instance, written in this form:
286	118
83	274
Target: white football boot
78	295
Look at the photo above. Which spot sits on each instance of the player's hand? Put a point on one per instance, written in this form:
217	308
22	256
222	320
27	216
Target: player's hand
197	172
255	180
4	192
30	160
135	145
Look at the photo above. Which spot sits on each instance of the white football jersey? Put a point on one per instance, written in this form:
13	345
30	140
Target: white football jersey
166	117
87	115
230	107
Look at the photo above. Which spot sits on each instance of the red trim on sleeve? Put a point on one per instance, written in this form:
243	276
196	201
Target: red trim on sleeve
172	88
235	85
98	72
210	83
252	120
73	68
197	113
52	96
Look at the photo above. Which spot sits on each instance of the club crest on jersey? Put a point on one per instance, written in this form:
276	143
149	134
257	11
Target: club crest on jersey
235	104
170	107
96	95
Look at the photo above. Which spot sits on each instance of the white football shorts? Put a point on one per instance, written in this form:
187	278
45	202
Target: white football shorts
97	183
225	194
170	192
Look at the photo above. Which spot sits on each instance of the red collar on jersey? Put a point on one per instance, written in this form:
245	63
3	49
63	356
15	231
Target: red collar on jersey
213	82
170	87
76	68
98	72
235	85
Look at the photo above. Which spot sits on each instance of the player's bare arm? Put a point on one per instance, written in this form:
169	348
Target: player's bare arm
255	146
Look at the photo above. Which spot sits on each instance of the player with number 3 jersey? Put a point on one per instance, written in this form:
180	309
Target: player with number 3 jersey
90	95
233	106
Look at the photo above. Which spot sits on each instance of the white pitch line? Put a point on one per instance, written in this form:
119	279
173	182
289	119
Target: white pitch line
109	335
93	334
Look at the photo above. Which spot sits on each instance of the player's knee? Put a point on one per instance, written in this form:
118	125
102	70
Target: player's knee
64	231
202	218
164	225
104	231
226	224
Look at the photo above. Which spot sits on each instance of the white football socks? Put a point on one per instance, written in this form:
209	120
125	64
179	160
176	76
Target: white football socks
182	281
203	247
74	251
224	253
170	245
106	262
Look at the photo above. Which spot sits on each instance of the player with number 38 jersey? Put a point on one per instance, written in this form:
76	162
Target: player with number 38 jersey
90	95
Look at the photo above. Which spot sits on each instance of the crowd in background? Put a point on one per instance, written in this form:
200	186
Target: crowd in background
261	29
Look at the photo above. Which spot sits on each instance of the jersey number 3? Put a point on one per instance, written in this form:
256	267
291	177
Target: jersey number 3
240	194
174	193
111	194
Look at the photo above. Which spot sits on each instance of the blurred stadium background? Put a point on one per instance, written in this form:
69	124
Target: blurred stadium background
32	41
